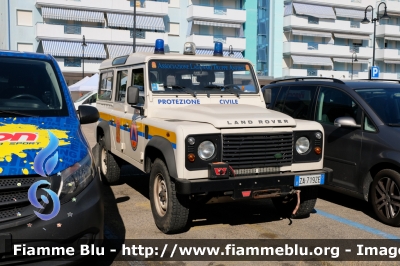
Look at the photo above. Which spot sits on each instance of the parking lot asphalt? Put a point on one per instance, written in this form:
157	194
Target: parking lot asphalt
336	216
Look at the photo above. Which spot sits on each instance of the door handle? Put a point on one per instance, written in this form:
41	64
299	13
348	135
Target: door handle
126	125
112	120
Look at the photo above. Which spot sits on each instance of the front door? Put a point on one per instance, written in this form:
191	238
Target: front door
342	145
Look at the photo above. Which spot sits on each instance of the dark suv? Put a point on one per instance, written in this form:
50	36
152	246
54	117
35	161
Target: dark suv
361	120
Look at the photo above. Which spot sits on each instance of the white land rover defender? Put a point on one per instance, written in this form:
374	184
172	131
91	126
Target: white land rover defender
198	125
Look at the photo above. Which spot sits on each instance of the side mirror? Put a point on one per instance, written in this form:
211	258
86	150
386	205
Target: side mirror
267	96
133	95
88	114
346	122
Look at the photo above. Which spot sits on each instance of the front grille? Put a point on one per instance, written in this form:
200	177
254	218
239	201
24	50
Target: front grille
14	202
257	150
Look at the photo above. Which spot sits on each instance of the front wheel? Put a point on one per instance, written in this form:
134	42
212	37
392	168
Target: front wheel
110	165
170	210
385	196
308	199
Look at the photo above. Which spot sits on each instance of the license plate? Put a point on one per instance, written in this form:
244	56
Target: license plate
309	180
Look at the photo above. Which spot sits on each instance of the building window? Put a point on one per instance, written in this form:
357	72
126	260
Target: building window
313	20
25	47
140	34
173	29
24	18
72	62
72	29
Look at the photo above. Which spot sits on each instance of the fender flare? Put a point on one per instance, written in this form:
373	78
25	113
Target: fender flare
106	129
163	145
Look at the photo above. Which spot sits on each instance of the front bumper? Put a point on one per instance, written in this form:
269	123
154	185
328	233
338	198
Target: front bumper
78	222
278	184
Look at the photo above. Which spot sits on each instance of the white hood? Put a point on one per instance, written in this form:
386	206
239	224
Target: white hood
226	116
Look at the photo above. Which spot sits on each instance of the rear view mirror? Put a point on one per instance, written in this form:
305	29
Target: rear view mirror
88	114
133	95
346	122
267	96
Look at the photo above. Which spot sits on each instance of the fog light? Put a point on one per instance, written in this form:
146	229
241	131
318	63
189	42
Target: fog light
191	157
318	150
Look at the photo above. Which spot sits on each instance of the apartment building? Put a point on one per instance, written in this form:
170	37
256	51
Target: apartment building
324	38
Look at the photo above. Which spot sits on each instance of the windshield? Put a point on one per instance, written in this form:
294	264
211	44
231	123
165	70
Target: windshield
385	102
29	87
83	97
173	77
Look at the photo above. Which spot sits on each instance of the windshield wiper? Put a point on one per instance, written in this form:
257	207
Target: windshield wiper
393	124
187	90
16	113
229	87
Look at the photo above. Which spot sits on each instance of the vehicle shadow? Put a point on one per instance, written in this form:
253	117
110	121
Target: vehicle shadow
233	213
346	201
114	228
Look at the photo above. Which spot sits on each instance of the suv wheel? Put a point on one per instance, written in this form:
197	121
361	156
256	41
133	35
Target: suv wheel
385	196
286	205
170	211
110	165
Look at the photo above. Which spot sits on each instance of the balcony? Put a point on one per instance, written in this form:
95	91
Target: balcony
387	30
91	66
292	72
325	50
207	42
96	35
220	14
387	54
328	25
359	4
151	8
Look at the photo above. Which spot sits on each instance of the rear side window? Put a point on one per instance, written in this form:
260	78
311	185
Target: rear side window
106	86
333	103
296	101
30	86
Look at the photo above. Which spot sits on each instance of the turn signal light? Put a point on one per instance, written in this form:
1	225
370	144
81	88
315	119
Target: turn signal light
191	157
318	150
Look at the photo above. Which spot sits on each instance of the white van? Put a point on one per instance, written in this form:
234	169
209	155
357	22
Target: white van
89	98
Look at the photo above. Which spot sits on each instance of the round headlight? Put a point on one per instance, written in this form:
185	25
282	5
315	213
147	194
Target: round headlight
302	145
206	150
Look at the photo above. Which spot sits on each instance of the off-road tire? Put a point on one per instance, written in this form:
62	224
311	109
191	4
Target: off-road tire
110	165
385	196
286	205
170	210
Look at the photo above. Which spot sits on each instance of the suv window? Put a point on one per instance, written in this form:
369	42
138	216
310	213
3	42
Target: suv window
106	86
122	80
138	80
333	103
30	86
296	101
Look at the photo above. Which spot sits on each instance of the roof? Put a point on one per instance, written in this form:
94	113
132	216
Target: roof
140	58
351	84
8	53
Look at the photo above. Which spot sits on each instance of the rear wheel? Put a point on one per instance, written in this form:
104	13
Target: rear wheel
385	196
170	210
286	205
110	165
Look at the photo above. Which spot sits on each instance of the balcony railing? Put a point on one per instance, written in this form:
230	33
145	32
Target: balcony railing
72	29
312	46
355	24
312	20
312	72
72	62
354	49
139	34
220	10
220	39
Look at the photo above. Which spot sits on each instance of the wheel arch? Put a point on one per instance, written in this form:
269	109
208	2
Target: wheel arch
159	147
103	130
373	171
